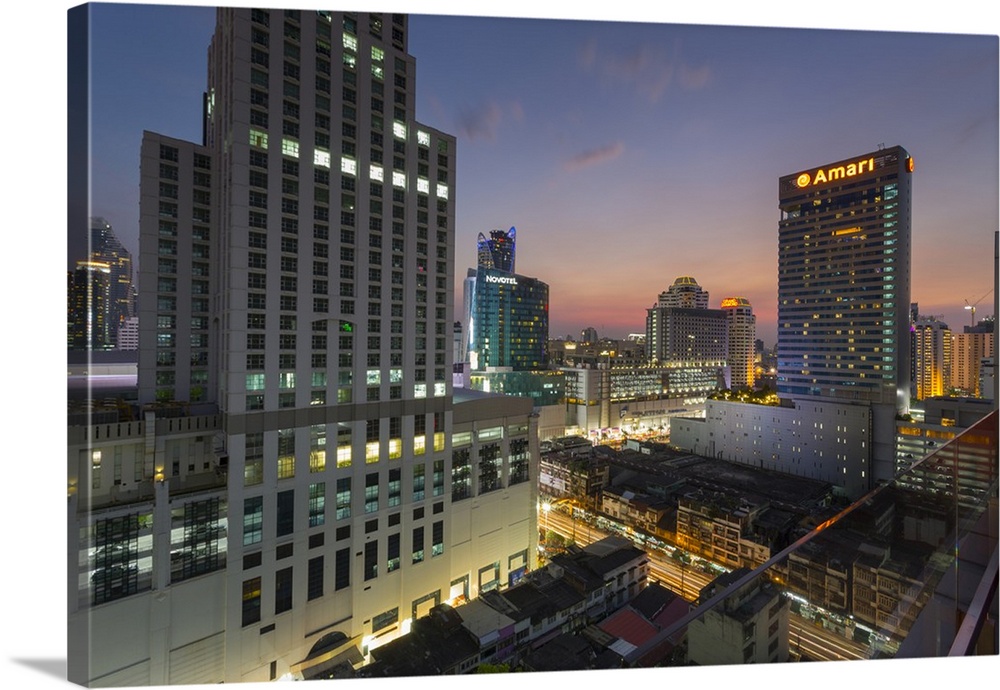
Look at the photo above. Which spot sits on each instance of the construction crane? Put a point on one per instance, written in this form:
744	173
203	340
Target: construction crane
972	307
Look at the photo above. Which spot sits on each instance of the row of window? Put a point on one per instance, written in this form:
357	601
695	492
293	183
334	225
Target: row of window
315	576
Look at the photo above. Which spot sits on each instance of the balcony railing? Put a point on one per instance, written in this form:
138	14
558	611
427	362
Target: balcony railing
920	584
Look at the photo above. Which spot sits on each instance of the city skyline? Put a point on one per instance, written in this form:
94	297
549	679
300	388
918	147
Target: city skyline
664	135
37	658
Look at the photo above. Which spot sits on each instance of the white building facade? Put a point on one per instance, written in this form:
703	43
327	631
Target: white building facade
296	280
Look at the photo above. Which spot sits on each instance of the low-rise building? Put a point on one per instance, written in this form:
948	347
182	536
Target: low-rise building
750	626
718	526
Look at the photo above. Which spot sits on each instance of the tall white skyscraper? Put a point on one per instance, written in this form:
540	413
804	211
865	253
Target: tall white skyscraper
302	480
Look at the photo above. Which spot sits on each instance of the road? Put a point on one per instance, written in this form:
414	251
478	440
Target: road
806	639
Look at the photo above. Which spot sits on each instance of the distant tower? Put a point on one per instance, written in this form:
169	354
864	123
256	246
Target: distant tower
497	252
588	335
742	336
508	322
89	294
933	357
105	247
685	293
969	349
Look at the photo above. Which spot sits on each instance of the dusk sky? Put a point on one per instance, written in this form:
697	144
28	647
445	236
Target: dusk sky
627	154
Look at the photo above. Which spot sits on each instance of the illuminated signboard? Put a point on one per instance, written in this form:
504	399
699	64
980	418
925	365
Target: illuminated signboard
841	172
730	302
838	172
504	280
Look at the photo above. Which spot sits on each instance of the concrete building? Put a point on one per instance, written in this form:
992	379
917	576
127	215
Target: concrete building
968	351
691	336
822	440
750	626
934	357
128	334
742	330
296	273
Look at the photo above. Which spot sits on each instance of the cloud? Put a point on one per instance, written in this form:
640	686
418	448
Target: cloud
650	73
594	156
482	121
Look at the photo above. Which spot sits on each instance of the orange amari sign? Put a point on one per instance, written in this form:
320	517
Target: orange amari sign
839	172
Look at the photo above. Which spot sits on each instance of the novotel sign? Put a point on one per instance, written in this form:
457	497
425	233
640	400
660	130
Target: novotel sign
503	280
837	172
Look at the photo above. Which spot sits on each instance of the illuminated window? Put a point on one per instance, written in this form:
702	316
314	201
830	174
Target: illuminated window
348	166
375	173
258	139
378	55
290	147
255	382
423	138
395	448
317	448
321	158
350	42
399	130
286	453
399	180
420	390
373	377
442	191
423	186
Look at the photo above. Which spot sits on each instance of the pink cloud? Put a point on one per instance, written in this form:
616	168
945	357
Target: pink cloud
595	156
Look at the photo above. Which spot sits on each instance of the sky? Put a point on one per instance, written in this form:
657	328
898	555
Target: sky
629	153
955	203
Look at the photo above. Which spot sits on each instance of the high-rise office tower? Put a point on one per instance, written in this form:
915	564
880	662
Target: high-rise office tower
105	247
301	482
509	324
497	251
742	331
507	315
844	280
934	357
89	293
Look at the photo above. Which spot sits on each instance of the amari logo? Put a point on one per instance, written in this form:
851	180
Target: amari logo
839	172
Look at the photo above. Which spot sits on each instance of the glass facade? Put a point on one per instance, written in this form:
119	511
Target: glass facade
510	322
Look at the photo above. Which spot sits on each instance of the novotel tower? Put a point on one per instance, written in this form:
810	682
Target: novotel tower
509	322
844	280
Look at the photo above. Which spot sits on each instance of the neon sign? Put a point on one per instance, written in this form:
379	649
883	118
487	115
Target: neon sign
839	172
504	280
